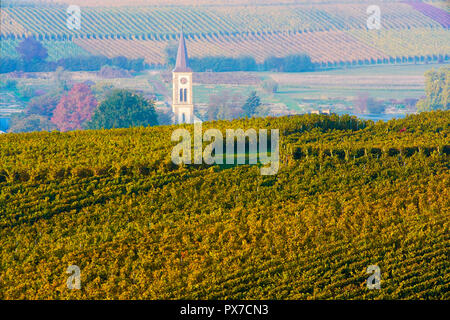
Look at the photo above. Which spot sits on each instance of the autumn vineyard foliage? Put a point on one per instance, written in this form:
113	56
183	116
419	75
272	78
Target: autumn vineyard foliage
349	194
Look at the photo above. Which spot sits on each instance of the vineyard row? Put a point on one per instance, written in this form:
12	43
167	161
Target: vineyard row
154	23
146	169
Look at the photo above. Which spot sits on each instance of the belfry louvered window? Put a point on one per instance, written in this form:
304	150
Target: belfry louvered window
183	95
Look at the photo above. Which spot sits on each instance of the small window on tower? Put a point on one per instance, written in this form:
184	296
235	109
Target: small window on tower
181	95
185	95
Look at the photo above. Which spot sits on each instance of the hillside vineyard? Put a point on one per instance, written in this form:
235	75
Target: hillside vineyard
348	194
332	34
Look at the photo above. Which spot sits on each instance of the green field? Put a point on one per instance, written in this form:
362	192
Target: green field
382	82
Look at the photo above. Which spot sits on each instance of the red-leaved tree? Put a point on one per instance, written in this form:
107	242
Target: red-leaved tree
75	108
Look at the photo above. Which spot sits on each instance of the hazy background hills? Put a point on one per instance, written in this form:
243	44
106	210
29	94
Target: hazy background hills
299	56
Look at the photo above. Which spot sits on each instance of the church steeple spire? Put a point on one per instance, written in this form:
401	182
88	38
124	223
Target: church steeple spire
182	64
182	94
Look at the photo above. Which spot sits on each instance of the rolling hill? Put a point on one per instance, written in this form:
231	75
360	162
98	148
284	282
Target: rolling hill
332	33
349	194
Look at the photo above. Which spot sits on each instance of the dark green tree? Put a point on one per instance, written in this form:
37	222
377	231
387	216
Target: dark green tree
297	63
123	109
290	63
252	103
437	90
31	50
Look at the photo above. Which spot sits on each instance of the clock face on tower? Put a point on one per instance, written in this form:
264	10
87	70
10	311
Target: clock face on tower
183	80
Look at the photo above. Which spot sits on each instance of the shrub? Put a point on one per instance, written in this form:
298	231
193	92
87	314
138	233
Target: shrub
3	176
326	153
103	171
376	151
298	153
60	173
109	72
339	153
124	170
143	169
393	152
270	86
409	151
313	151
83	173
20	175
40	175
427	151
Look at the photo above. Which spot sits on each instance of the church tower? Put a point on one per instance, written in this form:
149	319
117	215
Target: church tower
182	99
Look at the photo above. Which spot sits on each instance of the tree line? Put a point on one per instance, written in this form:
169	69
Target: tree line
33	58
290	63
